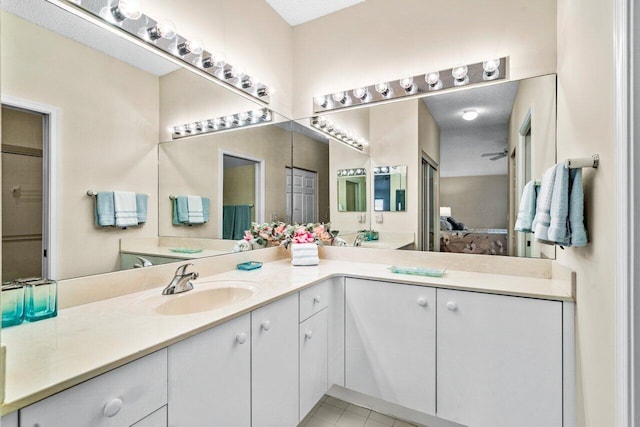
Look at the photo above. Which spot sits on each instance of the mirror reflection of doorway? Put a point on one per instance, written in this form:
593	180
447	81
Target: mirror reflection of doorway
302	191
240	188
24	243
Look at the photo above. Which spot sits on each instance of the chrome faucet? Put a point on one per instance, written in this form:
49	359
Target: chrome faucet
181	282
358	241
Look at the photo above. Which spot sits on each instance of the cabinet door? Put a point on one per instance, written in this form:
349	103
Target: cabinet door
274	364
118	398
313	361
390	342
157	419
209	377
499	360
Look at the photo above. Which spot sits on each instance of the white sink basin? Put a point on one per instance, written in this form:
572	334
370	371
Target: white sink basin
205	296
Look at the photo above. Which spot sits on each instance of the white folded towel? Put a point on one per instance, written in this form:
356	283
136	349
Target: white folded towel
305	261
125	208
543	209
527	209
196	214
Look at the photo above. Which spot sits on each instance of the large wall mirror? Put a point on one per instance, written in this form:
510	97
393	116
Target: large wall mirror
99	117
468	154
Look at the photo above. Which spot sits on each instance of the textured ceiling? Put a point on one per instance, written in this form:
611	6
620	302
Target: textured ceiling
296	12
69	25
462	142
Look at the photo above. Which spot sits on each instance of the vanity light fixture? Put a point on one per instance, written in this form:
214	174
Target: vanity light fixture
469	115
352	172
126	16
419	85
330	129
491	69
460	75
202	127
381	170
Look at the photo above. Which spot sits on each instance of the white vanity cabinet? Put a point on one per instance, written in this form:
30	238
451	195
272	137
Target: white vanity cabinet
210	377
500	360
390	342
119	398
274	364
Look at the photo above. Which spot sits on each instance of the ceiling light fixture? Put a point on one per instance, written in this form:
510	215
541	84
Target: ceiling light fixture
469	115
346	137
203	127
422	84
126	16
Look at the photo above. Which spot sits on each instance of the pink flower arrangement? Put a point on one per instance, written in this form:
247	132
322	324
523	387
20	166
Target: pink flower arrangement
279	233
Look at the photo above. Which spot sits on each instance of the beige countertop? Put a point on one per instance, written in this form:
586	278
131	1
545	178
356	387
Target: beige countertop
87	340
168	253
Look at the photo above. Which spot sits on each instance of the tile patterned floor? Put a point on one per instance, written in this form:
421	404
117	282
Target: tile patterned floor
331	412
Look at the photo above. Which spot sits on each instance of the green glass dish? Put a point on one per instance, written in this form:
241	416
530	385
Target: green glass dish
418	271
249	265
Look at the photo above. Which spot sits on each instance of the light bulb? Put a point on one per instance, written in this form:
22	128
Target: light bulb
362	94
165	29
126	9
407	84
231	73
190	46
211	124
383	88
244	116
207	62
263	90
228	121
322	121
433	80
321	101
470	115
178	130
491	69
266	116
460	75
339	97
218	122
246	82
362	141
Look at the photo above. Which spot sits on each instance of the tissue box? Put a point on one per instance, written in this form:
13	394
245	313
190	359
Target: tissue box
304	254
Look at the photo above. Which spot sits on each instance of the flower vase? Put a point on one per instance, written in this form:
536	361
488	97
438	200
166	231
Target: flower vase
304	254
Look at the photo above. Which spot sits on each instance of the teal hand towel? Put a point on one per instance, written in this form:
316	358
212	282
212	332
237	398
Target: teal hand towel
576	210
527	209
141	207
242	221
180	210
105	213
206	207
228	220
559	213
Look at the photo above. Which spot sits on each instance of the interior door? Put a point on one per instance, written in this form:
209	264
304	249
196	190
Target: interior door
304	196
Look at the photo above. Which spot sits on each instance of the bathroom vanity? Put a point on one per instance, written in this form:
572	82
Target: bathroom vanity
468	348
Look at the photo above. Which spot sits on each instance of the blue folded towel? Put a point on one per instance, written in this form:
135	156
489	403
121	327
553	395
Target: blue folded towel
559	213
206	207
542	219
527	209
141	207
105	213
180	211
576	210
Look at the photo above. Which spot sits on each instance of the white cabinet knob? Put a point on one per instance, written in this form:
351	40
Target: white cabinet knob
422	302
316	299
266	325
452	306
112	407
241	338
308	335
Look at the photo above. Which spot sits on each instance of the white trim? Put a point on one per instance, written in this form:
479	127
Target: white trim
51	164
624	202
568	364
521	159
260	185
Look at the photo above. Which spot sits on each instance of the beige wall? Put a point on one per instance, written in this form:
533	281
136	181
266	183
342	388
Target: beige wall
248	33
239	187
586	127
477	201
429	145
313	156
378	40
192	166
107	138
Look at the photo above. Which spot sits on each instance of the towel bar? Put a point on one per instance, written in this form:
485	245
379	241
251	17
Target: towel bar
587	162
93	193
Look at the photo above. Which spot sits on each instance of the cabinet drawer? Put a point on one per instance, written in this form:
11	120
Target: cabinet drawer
313	299
118	398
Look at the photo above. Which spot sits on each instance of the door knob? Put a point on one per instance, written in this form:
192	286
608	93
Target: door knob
266	325
422	302
452	306
112	407
316	299
308	335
